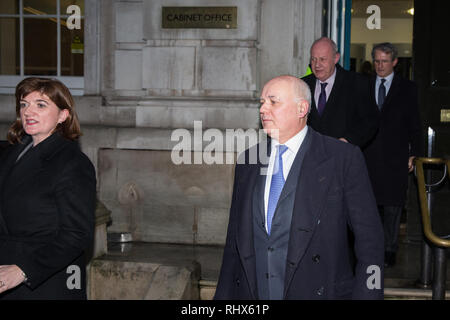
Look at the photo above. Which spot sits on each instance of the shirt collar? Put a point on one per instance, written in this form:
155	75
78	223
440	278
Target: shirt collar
293	143
388	78
330	80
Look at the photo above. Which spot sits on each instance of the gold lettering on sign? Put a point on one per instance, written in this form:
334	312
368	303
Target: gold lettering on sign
199	17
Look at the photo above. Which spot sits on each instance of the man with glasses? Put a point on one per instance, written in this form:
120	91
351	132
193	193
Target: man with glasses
390	155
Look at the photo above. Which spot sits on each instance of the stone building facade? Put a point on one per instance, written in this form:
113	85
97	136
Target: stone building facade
141	82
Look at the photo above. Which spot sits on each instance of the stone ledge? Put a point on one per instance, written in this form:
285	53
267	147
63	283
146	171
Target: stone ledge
142	270
207	289
409	294
130	280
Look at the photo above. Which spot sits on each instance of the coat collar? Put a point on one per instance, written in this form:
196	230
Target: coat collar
47	148
392	90
313	182
338	82
13	174
244	237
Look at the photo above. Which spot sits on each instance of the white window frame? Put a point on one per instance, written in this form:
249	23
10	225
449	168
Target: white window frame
9	82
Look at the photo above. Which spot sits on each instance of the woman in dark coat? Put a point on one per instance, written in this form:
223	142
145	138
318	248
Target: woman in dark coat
47	197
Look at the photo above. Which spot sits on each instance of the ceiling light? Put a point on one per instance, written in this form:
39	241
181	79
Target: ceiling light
411	11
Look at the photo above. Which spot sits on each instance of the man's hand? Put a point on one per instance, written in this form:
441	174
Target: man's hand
343	139
10	277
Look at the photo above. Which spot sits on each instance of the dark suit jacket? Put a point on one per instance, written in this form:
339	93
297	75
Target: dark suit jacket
47	203
348	112
400	129
332	194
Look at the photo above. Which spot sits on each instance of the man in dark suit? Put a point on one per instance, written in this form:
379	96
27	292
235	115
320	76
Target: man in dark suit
390	155
287	235
340	104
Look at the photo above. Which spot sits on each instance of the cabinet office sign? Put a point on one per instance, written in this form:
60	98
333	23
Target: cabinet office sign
199	17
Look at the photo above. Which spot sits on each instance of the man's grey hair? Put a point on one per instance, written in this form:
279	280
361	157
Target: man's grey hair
303	92
330	41
387	48
300	88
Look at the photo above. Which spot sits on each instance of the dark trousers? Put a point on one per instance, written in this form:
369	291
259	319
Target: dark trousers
390	215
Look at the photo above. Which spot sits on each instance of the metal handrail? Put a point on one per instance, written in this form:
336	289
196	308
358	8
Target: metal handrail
419	162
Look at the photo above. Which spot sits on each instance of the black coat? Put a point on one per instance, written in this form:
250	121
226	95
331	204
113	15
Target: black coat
47	203
333	192
348	112
398	138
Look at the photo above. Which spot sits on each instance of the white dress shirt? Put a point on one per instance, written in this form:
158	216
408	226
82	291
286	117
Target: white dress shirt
387	84
288	157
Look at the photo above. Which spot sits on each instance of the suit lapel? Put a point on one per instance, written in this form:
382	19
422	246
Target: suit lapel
373	88
7	164
311	81
314	180
334	94
392	91
252	182
292	179
258	199
9	159
259	189
24	170
312	85
31	163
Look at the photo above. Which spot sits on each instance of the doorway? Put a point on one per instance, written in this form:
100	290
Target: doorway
379	21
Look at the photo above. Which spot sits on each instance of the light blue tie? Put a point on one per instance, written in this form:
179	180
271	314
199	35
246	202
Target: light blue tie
276	185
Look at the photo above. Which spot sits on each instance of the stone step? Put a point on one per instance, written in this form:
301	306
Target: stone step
208	288
132	280
410	294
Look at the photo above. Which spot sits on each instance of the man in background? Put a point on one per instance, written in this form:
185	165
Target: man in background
390	155
340	98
